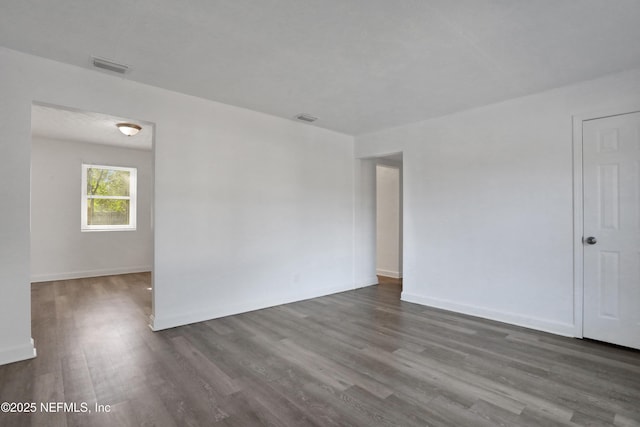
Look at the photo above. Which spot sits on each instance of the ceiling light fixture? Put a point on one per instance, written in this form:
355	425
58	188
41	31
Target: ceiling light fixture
129	129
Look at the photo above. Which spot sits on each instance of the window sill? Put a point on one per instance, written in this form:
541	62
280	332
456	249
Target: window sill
91	230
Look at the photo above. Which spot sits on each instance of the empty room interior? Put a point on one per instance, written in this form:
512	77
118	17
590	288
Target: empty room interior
320	213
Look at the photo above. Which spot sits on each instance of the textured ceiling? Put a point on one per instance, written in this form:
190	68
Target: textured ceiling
358	65
94	128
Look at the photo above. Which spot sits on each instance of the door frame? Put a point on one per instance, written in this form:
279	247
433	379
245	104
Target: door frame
365	233
578	205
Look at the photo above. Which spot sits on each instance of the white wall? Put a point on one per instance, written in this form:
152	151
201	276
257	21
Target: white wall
488	213
388	235
59	250
365	222
250	210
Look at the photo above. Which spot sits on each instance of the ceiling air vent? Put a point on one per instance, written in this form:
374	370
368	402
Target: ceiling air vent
105	64
306	118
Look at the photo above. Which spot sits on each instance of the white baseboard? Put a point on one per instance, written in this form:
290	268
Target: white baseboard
173	320
16	354
389	273
558	328
89	273
368	281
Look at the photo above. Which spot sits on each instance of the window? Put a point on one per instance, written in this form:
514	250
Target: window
108	198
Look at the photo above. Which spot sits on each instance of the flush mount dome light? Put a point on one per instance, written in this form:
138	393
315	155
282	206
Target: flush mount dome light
129	129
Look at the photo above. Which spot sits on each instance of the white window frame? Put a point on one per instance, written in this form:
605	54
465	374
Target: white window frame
133	186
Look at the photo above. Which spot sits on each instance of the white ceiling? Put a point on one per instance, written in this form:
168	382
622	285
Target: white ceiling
358	65
94	128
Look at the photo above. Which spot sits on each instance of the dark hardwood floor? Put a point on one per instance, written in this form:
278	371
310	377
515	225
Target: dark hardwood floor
391	283
359	358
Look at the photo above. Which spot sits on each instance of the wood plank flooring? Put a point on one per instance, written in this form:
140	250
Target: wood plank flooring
359	358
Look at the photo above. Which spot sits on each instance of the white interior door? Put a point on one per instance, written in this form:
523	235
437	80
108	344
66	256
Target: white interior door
611	168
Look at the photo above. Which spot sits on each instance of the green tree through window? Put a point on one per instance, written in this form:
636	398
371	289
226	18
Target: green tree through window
108	197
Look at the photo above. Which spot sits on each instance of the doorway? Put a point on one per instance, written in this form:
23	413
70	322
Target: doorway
91	201
366	266
608	227
389	220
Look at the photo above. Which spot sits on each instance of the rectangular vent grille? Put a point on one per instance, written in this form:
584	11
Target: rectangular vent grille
306	118
105	64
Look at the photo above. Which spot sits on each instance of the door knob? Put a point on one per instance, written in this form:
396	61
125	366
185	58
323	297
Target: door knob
590	240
